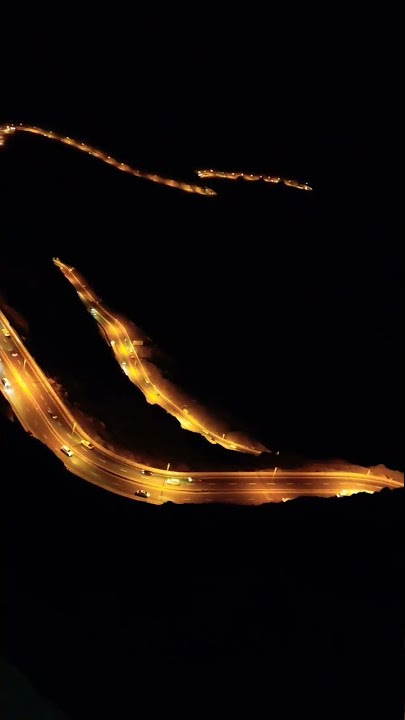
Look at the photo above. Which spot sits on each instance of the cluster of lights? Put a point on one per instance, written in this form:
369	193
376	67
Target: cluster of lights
84	147
220	175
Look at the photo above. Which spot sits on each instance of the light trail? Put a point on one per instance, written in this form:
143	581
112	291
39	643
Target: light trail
6	130
118	336
105	468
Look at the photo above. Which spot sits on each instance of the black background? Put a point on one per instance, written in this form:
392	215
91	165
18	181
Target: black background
281	309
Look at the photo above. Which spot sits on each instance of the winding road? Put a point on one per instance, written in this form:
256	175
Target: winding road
7	130
118	333
44	415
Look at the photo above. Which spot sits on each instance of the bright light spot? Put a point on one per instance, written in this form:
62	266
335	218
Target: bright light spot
348	493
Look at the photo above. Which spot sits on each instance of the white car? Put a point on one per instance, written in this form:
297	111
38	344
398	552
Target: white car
172	481
5	383
65	449
5	332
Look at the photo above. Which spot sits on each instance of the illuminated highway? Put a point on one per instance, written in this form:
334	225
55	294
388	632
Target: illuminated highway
273	179
6	130
44	415
119	335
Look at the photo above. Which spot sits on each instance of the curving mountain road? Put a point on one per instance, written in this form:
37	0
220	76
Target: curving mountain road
6	130
117	333
43	414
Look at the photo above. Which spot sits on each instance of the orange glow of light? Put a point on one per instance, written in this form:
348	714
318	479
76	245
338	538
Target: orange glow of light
137	373
28	408
219	175
6	130
353	491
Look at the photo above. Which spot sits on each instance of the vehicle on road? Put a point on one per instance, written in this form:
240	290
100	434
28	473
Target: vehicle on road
5	332
142	493
14	354
190	479
5	382
52	414
87	444
65	449
146	472
172	481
